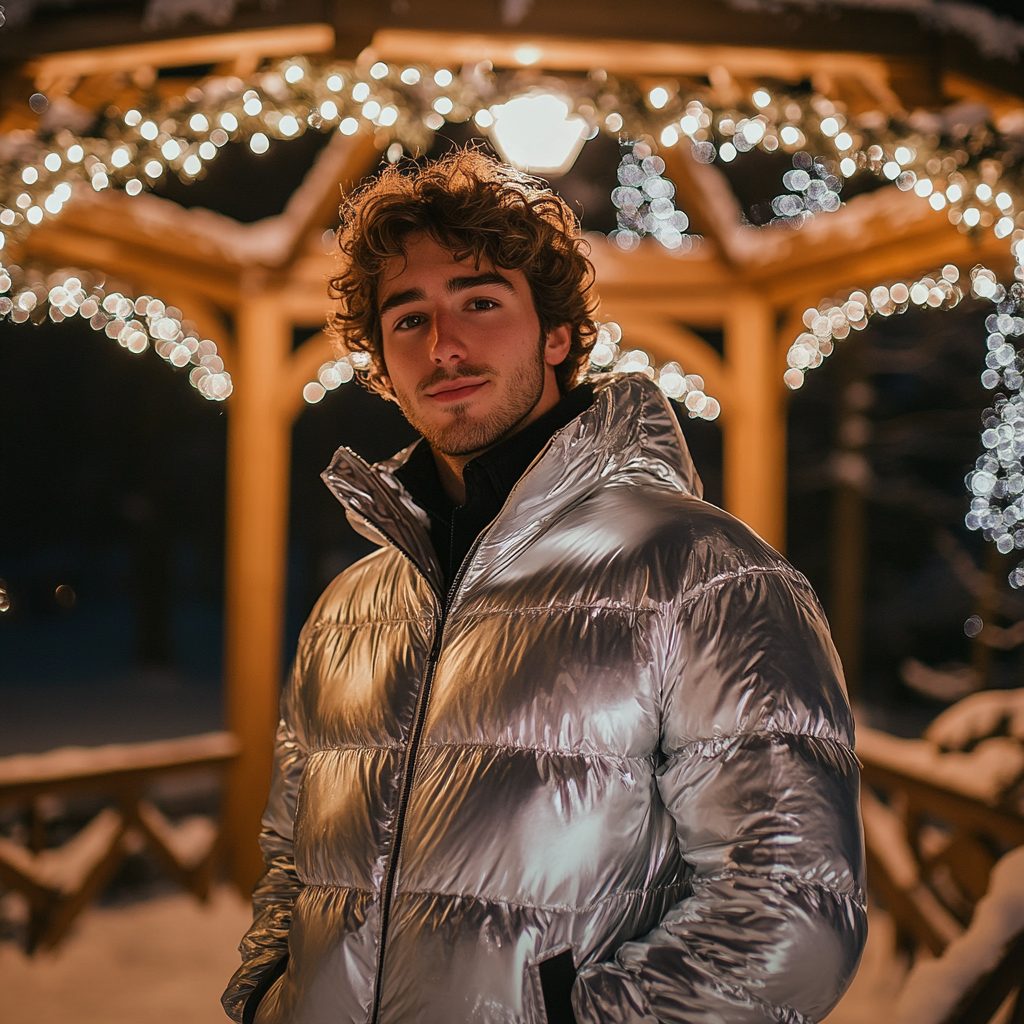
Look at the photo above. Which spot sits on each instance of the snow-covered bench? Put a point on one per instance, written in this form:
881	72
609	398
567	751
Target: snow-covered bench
949	813
981	968
58	883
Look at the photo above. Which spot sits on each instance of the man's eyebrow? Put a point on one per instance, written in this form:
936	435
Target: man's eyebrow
401	298
461	284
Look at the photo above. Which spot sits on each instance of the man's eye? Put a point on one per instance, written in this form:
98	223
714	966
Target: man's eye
483	304
410	321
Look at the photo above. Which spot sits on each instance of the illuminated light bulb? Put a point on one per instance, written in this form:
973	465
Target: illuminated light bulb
170	150
349	126
52	204
288	126
790	135
328	110
154	168
937	200
1004	201
761	99
903	155
132	118
919	294
133	187
336	83
971	216
443	78
370	109
527	55
259	143
198	123
149	131
295	74
193	165
844	141
727	151
848	167
1003	227
954	193
228	121
669	136
63	190
360	92
891	170
658	97
120	157
923	187
379	70
483	118
614	122
252	106
753	132
410	76
536	133
207	150
34	214
314	392
24	201
443	105
983	192
52	162
689	124
30	175
75	153
829	127
388	116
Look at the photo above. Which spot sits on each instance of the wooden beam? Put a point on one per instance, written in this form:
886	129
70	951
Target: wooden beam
754	449
259	440
255	44
626	56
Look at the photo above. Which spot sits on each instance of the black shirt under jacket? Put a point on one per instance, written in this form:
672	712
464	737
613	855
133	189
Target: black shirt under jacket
489	479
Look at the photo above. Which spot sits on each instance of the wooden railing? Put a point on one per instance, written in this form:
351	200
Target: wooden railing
60	882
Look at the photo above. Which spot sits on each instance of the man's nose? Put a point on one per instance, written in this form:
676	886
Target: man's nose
446	344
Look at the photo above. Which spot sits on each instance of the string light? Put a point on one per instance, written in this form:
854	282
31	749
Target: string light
832	321
135	324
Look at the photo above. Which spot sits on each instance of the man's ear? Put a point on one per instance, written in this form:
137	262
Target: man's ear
557	343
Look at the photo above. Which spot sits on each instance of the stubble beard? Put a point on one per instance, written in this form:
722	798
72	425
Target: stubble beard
464	435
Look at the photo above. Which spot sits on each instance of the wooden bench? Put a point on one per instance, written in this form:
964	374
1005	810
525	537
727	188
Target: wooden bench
946	818
59	882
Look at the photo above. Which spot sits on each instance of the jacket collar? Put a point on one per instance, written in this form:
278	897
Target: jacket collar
629	431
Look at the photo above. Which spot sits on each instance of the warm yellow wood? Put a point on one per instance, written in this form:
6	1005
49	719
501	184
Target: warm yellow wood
627	56
259	439
280	41
754	441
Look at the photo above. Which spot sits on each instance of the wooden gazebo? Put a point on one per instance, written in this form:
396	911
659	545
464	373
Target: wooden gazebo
249	287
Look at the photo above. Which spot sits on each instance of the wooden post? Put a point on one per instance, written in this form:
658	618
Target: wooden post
259	442
754	441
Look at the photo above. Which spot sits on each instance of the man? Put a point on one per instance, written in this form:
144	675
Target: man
572	744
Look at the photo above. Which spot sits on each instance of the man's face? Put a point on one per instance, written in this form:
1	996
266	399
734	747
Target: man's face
463	348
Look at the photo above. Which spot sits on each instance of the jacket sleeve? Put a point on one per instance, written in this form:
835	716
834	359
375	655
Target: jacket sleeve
264	946
761	780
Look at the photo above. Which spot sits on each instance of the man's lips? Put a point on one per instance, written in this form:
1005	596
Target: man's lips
455	390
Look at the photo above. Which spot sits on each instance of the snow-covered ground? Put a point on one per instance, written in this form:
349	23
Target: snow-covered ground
166	960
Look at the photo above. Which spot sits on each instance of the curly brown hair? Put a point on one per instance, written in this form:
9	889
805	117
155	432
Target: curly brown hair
477	208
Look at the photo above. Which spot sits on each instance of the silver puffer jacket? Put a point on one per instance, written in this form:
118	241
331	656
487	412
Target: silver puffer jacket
627	737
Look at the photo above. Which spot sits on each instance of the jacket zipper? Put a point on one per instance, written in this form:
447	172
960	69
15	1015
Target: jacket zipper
409	773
